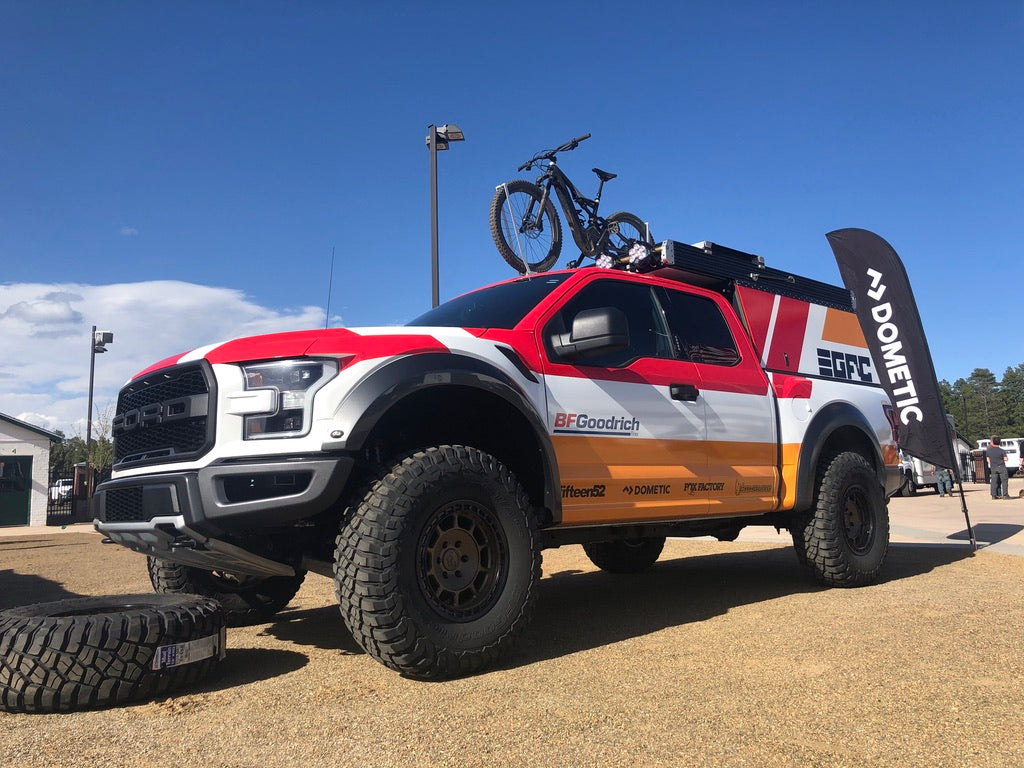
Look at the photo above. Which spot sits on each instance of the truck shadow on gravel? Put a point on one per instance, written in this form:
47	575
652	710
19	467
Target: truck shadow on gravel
317	628
580	611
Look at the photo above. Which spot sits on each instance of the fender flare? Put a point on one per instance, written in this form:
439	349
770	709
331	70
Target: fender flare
375	395
825	422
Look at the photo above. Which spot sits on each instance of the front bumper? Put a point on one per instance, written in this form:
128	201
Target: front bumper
187	516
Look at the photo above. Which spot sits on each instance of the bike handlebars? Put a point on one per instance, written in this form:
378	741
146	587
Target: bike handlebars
550	154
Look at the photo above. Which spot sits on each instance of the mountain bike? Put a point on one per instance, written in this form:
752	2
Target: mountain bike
527	230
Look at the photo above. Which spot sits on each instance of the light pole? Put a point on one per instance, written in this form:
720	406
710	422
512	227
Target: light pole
97	344
437	139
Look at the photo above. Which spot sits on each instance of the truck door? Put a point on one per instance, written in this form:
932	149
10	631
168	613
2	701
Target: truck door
628	426
742	437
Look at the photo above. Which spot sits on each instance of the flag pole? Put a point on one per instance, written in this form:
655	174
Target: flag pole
967	517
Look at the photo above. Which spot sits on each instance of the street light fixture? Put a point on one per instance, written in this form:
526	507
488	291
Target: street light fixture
437	140
97	345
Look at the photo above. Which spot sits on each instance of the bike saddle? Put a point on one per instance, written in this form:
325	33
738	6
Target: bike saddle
604	175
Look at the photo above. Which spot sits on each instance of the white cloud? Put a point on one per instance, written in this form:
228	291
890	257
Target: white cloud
44	339
129	231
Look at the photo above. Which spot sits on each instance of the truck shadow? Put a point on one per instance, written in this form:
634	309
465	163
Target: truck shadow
315	627
24	589
582	611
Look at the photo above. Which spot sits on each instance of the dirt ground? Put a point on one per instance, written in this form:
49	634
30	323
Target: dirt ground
724	654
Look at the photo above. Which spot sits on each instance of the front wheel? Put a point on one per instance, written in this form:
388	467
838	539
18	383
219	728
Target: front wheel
436	570
246	599
843	541
528	237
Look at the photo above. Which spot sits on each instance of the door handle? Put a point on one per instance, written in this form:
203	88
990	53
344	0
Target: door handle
686	392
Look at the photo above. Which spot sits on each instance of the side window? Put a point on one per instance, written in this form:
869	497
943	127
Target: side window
699	331
648	336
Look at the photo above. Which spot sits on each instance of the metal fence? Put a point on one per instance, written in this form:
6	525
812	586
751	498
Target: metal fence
67	500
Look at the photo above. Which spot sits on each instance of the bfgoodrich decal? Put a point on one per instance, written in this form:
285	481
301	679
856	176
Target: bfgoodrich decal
585	424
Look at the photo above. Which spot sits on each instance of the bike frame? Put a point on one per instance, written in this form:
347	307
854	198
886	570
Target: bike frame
574	206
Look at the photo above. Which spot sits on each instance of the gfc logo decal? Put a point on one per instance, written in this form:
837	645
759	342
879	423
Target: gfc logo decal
844	365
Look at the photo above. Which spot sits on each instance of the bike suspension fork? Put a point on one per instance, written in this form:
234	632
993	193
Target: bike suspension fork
519	245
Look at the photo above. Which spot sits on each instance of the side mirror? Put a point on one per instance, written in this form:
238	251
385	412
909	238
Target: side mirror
595	332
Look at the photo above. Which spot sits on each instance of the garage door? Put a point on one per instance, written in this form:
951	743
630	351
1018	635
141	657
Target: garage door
15	489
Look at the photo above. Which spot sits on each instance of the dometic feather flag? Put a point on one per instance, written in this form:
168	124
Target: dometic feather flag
888	315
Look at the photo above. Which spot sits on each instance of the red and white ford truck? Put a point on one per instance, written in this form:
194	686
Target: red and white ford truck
425	468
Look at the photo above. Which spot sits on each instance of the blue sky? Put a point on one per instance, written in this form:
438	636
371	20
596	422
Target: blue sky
179	173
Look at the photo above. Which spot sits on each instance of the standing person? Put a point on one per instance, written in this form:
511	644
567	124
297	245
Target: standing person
997	465
945	481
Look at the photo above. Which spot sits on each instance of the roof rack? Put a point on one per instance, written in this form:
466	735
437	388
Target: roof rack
717	267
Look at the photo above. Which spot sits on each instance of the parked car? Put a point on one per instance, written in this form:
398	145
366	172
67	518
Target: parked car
61	489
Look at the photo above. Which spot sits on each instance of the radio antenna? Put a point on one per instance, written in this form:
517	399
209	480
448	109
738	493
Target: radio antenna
330	282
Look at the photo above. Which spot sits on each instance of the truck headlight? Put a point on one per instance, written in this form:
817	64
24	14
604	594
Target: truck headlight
293	384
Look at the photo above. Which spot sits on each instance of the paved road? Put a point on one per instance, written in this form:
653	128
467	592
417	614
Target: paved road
932	519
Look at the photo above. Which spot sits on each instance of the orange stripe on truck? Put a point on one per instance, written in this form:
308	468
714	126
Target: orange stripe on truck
843	328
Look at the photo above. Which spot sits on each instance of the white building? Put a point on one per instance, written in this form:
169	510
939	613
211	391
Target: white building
24	471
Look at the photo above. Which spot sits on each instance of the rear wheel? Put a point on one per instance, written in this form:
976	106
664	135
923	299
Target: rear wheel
845	539
246	599
528	237
624	231
624	556
436	570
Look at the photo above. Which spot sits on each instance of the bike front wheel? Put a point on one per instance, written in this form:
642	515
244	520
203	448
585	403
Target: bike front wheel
624	231
528	237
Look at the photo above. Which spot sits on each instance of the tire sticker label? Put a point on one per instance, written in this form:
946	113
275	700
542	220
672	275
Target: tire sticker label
176	655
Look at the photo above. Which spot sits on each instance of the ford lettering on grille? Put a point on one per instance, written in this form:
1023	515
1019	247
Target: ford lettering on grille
164	417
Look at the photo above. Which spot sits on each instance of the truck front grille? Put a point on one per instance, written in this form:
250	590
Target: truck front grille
166	416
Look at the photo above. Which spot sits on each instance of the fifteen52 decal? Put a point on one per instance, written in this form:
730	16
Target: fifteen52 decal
584	424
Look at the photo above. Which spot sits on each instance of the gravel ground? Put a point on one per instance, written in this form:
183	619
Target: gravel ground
724	654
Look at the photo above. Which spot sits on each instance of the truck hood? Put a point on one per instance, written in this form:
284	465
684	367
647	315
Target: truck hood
353	343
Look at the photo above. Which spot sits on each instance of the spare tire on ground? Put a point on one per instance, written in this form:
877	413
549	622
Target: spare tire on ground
92	652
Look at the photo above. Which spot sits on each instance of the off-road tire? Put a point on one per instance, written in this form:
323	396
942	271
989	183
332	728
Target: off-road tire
246	599
539	259
908	488
91	652
843	541
622	556
436	571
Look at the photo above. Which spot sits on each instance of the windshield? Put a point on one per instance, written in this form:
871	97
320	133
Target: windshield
500	306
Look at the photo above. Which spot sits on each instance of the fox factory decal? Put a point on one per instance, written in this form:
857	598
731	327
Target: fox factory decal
692	488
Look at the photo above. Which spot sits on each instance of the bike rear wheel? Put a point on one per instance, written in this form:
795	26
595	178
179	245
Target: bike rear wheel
624	231
528	238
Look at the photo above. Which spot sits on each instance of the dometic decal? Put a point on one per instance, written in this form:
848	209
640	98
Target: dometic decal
647	490
844	365
595	491
692	488
583	424
743	488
